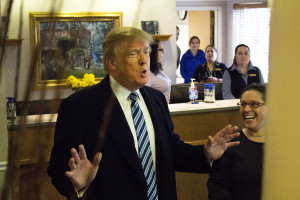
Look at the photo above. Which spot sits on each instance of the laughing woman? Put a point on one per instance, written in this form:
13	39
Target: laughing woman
237	174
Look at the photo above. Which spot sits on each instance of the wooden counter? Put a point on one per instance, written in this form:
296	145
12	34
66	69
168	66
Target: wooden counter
194	123
31	146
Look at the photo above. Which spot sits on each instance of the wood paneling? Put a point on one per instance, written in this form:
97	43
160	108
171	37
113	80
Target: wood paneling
30	150
195	128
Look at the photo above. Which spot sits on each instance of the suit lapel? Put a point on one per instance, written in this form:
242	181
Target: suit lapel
163	154
118	128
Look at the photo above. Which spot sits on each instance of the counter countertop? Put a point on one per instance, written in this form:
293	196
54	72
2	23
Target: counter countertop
179	108
187	108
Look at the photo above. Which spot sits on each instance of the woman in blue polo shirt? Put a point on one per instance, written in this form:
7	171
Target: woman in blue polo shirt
241	74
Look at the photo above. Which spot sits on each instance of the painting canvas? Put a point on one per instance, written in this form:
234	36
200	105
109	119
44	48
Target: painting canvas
150	27
69	44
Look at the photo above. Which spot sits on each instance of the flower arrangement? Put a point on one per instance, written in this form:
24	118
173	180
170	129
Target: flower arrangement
77	84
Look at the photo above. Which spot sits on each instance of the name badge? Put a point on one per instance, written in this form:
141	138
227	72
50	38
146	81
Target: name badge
252	75
217	69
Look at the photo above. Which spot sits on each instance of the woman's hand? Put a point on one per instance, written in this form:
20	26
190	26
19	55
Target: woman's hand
217	145
211	79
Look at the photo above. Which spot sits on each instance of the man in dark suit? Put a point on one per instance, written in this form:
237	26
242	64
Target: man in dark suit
98	119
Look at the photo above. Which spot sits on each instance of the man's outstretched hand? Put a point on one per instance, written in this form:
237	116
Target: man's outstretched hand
82	171
217	145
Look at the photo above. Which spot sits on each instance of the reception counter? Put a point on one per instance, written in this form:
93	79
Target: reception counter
194	123
31	140
175	109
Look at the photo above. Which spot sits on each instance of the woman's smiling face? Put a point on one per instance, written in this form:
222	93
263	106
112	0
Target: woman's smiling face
254	118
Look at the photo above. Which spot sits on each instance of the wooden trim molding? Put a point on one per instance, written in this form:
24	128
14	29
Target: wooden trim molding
252	5
13	42
161	37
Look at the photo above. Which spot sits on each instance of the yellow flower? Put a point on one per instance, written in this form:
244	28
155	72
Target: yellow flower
76	84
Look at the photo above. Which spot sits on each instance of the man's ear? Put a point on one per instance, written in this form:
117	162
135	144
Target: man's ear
111	64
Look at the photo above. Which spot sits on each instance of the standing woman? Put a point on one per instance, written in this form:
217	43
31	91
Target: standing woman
157	79
240	74
191	59
237	175
210	71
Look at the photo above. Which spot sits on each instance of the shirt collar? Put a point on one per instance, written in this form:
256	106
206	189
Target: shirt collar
121	92
250	66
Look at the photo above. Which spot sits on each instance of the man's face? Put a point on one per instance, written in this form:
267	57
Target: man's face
131	64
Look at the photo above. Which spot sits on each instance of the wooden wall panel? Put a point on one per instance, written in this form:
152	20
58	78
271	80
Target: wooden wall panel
194	129
34	146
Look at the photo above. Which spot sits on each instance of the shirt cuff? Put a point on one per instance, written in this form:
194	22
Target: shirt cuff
81	192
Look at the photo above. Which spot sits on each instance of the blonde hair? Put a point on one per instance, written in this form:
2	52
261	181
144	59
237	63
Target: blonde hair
118	35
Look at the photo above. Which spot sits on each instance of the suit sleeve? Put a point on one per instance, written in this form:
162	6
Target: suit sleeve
185	157
189	158
64	139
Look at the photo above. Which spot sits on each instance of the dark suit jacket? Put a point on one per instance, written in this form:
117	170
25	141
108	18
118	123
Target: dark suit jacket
93	117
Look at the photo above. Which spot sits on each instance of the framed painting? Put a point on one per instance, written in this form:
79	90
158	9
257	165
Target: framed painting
64	44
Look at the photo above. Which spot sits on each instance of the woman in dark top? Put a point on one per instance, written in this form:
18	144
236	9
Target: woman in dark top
237	174
240	74
210	71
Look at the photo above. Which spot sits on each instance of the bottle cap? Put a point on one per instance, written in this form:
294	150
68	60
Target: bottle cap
11	99
192	82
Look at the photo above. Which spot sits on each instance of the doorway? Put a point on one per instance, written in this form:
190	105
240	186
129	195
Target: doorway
196	18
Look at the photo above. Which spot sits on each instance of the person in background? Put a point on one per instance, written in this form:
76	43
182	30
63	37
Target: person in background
191	59
157	79
240	74
211	71
131	126
237	175
178	49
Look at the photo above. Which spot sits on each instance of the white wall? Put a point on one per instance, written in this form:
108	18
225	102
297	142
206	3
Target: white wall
3	126
134	11
226	8
3	130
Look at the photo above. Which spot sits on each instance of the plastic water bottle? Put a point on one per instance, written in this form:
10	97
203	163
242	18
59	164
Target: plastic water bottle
11	108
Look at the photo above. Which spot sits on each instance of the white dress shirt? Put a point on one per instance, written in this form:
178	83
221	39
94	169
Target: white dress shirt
122	94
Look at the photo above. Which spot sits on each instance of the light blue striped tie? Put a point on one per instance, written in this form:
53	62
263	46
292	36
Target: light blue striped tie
144	147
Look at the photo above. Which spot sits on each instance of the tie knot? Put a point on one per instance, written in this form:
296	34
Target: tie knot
133	96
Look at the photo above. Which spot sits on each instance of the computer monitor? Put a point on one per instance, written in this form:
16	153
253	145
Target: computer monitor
180	92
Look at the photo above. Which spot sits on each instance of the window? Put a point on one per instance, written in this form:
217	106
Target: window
251	26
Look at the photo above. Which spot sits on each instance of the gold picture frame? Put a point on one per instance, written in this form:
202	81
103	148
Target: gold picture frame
64	44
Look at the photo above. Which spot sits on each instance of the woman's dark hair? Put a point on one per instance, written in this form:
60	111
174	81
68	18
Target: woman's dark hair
259	87
194	37
236	49
155	66
212	46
